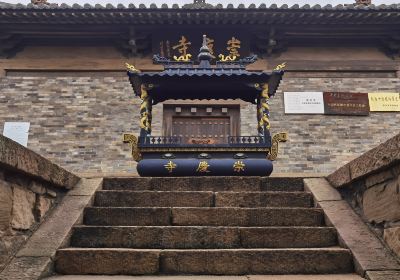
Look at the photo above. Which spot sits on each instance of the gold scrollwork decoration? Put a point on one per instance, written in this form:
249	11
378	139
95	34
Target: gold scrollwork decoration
273	151
133	141
280	66
227	58
131	68
183	58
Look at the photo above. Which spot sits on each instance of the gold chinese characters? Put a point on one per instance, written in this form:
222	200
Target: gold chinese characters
170	166
238	166
183	48
203	167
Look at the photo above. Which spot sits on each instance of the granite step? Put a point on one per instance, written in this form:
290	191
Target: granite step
192	216
154	199
263	199
215	184
116	261
201	237
120	198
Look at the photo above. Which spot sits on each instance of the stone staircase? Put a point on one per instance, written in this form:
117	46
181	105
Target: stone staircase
208	225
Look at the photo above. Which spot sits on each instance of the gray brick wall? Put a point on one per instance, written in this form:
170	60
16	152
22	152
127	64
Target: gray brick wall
78	122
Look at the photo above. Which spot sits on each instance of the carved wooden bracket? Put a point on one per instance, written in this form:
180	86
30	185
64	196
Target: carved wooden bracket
269	43
134	43
391	46
10	44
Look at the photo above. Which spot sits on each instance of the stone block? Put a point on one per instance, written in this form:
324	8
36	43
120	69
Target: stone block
153	199
37	187
377	178
127	216
383	275
107	261
43	205
382	202
247	216
263	199
392	239
256	261
340	177
321	189
6	200
27	268
23	206
382	156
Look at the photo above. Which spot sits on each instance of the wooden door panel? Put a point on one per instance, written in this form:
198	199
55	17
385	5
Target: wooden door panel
192	129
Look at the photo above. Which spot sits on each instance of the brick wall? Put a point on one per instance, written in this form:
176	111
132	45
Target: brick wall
78	121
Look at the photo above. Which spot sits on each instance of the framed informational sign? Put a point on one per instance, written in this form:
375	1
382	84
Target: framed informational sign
304	102
17	131
346	103
384	102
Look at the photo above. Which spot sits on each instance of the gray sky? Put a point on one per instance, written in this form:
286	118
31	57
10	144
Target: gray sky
235	2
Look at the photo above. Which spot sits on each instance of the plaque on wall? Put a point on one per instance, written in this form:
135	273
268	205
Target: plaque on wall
304	102
17	131
384	102
346	103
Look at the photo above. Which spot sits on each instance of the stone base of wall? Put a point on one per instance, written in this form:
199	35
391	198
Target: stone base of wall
371	184
24	203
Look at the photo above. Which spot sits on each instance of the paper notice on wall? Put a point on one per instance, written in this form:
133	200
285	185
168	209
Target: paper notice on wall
304	102
17	131
384	102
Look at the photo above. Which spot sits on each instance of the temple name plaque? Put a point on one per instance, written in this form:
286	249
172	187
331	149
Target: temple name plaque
384	102
17	131
346	103
304	102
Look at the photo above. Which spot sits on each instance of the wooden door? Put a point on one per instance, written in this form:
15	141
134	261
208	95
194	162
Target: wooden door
202	130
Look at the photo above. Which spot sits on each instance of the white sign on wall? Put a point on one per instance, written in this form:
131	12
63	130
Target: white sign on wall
17	131
304	102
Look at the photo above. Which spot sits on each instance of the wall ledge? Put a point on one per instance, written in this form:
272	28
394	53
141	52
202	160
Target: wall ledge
17	158
381	157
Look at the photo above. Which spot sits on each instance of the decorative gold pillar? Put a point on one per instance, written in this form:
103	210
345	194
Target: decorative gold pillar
145	112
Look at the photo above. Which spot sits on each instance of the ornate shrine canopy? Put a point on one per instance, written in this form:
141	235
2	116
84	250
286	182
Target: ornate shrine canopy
188	81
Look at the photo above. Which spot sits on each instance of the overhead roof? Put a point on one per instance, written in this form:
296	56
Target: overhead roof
353	7
195	13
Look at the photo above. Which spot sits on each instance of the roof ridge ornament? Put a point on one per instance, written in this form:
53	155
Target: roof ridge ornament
198	4
364	2
40	2
205	54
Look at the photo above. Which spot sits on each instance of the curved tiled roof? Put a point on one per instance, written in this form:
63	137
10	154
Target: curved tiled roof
350	7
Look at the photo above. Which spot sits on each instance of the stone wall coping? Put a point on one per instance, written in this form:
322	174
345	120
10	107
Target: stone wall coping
381	157
16	157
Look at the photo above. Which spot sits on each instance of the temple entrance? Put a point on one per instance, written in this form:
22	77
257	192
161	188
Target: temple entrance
201	124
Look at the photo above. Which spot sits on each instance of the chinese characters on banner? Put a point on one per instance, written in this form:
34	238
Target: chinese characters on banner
346	103
340	103
225	49
384	102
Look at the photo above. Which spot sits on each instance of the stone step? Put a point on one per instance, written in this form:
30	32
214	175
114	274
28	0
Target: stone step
205	184
211	262
263	199
200	237
202	199
187	216
153	199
